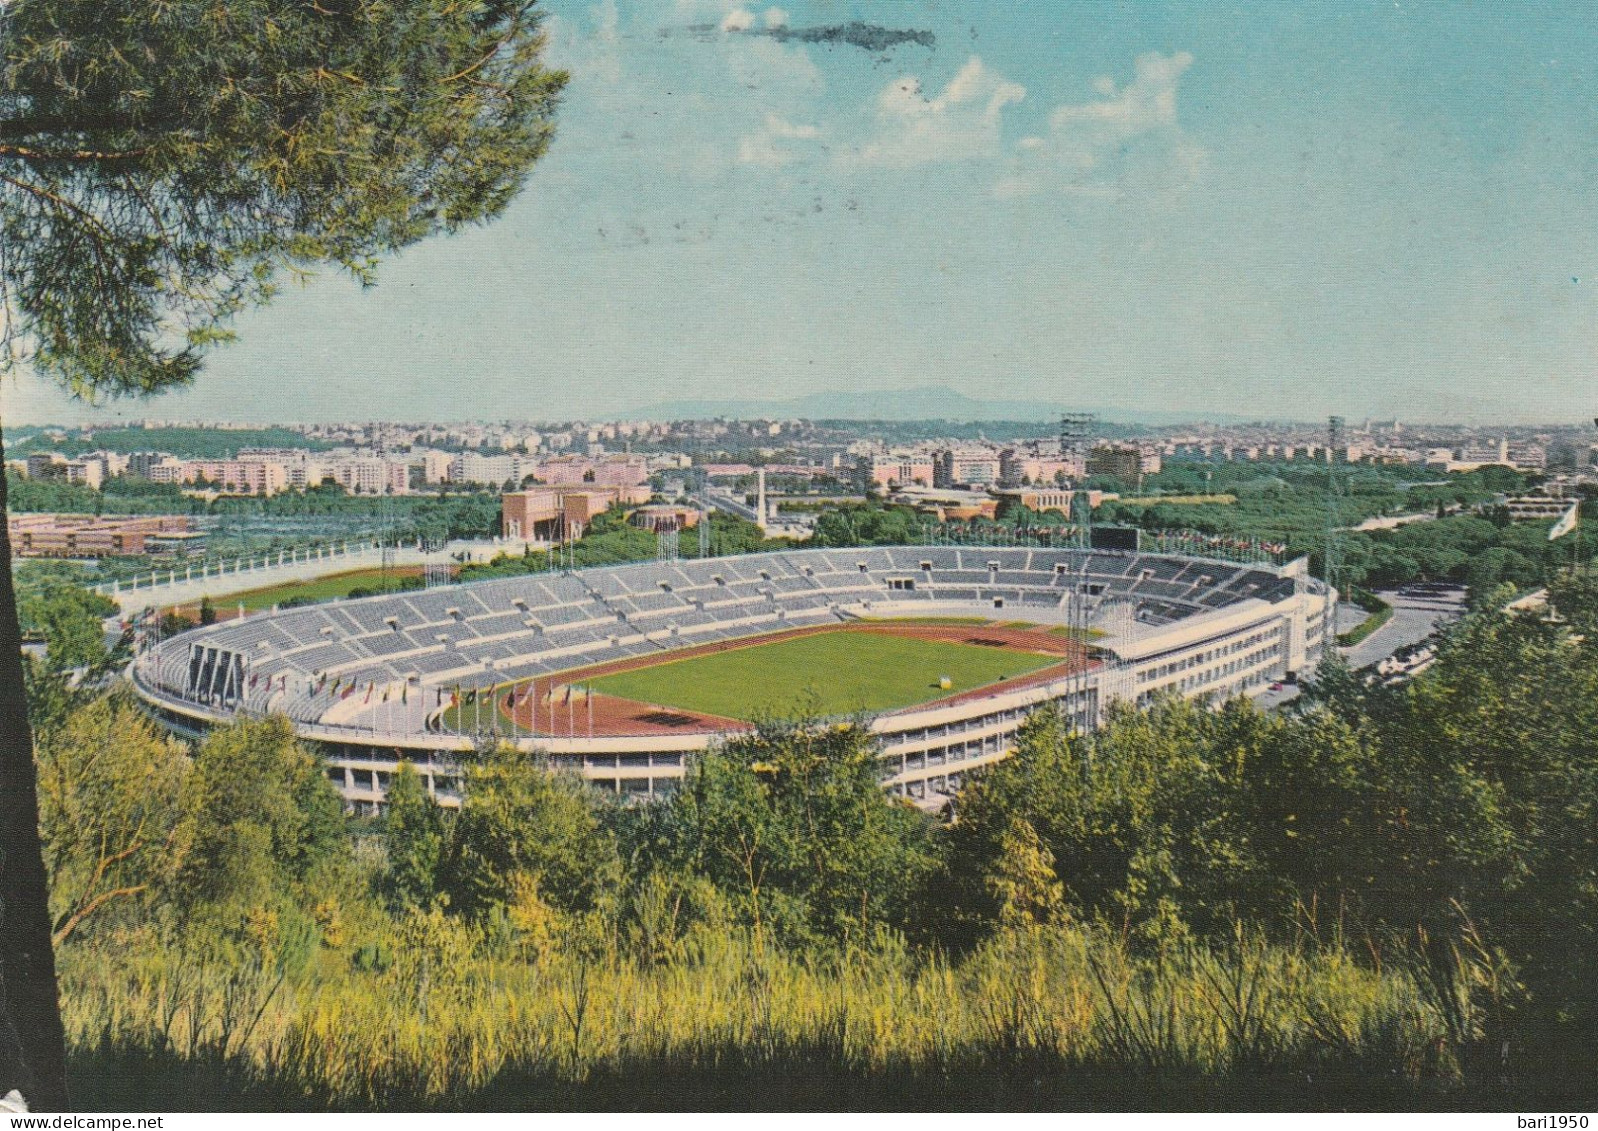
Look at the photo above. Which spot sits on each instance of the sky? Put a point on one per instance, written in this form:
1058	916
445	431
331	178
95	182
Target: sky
1280	210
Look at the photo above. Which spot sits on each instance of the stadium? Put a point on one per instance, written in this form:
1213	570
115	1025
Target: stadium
624	672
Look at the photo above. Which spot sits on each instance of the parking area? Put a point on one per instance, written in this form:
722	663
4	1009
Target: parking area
1417	612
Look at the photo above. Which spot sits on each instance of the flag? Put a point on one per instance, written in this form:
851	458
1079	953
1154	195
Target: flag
386	690
1566	523
348	691
370	687
405	693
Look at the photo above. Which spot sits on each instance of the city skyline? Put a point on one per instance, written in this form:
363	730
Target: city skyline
1262	213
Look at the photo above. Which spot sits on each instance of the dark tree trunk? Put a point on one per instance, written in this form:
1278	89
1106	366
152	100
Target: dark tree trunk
27	964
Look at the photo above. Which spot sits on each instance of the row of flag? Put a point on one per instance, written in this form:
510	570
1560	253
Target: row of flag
466	697
340	689
1193	540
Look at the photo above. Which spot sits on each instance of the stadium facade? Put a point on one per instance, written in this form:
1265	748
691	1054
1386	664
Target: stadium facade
372	681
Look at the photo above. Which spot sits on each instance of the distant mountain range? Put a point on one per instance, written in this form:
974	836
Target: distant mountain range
929	402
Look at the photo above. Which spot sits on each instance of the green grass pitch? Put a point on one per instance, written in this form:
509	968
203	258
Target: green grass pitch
834	673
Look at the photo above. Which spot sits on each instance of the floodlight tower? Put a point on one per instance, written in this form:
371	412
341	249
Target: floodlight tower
666	543
703	483
435	573
386	520
1334	441
1077	430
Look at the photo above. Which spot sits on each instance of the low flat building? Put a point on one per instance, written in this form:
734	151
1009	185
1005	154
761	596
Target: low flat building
90	536
1046	498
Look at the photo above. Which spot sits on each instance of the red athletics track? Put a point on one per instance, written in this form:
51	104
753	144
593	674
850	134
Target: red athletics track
612	716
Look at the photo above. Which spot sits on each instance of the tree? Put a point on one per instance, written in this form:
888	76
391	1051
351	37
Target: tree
413	833
1022	880
68	616
793	825
522	824
109	786
258	817
162	166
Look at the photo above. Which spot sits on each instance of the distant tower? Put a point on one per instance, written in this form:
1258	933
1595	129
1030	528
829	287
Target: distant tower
760	499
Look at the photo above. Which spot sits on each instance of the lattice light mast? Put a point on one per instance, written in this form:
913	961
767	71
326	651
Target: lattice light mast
666	542
387	520
702	482
1077	430
436	571
1333	566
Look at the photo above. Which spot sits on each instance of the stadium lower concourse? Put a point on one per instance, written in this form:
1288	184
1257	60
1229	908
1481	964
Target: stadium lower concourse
585	665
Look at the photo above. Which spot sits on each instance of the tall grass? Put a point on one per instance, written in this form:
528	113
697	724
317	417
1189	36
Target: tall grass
1050	1016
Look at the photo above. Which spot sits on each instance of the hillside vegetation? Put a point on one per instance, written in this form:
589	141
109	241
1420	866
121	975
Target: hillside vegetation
1387	899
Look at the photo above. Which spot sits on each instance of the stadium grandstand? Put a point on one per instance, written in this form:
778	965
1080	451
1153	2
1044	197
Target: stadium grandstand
423	676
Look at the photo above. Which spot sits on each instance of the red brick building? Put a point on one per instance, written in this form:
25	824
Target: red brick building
87	535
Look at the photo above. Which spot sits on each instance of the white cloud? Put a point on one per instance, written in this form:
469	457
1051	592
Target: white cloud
772	147
1127	137
960	123
1148	102
739	19
783	73
776	17
607	20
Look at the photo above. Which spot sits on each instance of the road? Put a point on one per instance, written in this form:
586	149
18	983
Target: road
732	505
1415	617
1392	522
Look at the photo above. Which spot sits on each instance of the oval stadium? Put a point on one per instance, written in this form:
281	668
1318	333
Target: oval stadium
623	672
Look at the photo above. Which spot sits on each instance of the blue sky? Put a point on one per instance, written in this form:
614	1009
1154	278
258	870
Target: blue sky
1273	209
